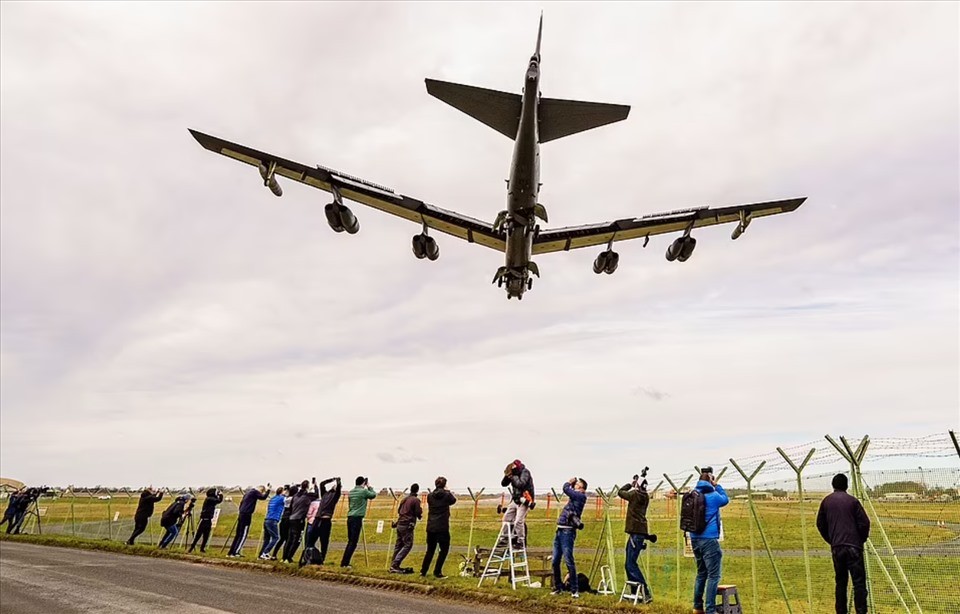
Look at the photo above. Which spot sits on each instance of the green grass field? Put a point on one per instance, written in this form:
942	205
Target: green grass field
927	551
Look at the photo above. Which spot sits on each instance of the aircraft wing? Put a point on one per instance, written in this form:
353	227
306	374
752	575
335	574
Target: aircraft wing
573	237
362	191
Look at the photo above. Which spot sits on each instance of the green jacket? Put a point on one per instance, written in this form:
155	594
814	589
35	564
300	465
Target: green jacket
358	497
637	502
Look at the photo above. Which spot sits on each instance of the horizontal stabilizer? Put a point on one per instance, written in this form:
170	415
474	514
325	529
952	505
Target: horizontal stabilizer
560	118
499	110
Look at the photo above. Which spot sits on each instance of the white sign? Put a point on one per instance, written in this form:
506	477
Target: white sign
379	526
216	516
43	511
116	516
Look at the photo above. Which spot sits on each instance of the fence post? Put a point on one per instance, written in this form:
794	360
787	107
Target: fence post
473	517
803	521
763	538
679	532
953	437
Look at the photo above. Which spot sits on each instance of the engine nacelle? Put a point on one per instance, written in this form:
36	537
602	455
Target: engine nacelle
275	187
268	179
425	246
606	262
673	251
349	221
686	251
333	217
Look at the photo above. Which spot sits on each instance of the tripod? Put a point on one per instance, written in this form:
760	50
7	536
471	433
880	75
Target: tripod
187	519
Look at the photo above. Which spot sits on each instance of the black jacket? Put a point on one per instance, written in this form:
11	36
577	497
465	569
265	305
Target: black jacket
145	506
521	482
172	514
328	500
248	505
209	506
842	520
637	502
438	510
301	503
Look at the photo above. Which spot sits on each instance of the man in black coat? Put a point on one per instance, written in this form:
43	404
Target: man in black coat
214	498
844	525
299	506
144	511
438	526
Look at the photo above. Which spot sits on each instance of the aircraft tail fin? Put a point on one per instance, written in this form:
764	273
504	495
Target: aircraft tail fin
560	118
499	110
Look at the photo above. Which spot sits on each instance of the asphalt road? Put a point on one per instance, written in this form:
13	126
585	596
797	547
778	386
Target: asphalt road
41	579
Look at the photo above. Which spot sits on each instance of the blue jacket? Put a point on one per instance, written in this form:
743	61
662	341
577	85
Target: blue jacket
715	498
573	507
275	507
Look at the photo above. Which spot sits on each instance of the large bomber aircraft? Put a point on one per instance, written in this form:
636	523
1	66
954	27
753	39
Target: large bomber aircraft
529	119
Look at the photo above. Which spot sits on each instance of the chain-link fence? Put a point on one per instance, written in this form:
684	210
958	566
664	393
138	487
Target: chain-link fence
772	550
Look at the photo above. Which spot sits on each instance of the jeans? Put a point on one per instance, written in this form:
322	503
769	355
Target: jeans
404	544
170	535
243	528
563	547
354	527
271	528
139	526
708	555
284	530
849	560
434	539
634	548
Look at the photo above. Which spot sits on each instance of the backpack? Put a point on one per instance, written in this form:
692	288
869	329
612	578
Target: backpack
310	556
693	512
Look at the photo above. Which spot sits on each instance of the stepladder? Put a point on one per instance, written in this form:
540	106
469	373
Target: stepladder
507	555
635	592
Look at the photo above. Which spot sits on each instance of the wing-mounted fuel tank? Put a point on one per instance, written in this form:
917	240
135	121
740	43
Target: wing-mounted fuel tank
267	173
339	216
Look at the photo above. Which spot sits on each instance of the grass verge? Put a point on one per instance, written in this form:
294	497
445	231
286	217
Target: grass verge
453	588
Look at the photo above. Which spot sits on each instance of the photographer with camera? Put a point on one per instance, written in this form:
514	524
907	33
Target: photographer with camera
637	498
322	522
284	528
170	520
248	505
299	505
210	503
518	478
706	541
11	515
144	511
271	523
568	523
408	513
357	498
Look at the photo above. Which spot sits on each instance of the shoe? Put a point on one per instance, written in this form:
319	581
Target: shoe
575	595
395	570
346	567
272	558
648	598
556	591
439	576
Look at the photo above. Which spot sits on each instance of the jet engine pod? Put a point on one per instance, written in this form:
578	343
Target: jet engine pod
431	247
418	247
275	187
687	250
425	246
348	220
600	263
674	250
333	217
613	260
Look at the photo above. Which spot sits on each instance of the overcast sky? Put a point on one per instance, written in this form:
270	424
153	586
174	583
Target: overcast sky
167	320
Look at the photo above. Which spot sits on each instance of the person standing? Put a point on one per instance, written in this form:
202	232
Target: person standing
438	526
706	544
170	520
844	525
298	514
248	505
323	523
148	498
518	478
358	497
13	506
568	523
271	523
408	514
637	498
213	499
284	528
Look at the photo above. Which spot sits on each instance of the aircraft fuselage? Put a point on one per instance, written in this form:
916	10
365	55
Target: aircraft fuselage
523	186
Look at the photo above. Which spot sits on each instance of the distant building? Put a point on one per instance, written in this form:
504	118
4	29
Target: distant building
901	496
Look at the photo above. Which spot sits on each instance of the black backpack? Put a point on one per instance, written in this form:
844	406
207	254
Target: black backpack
310	556
693	512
